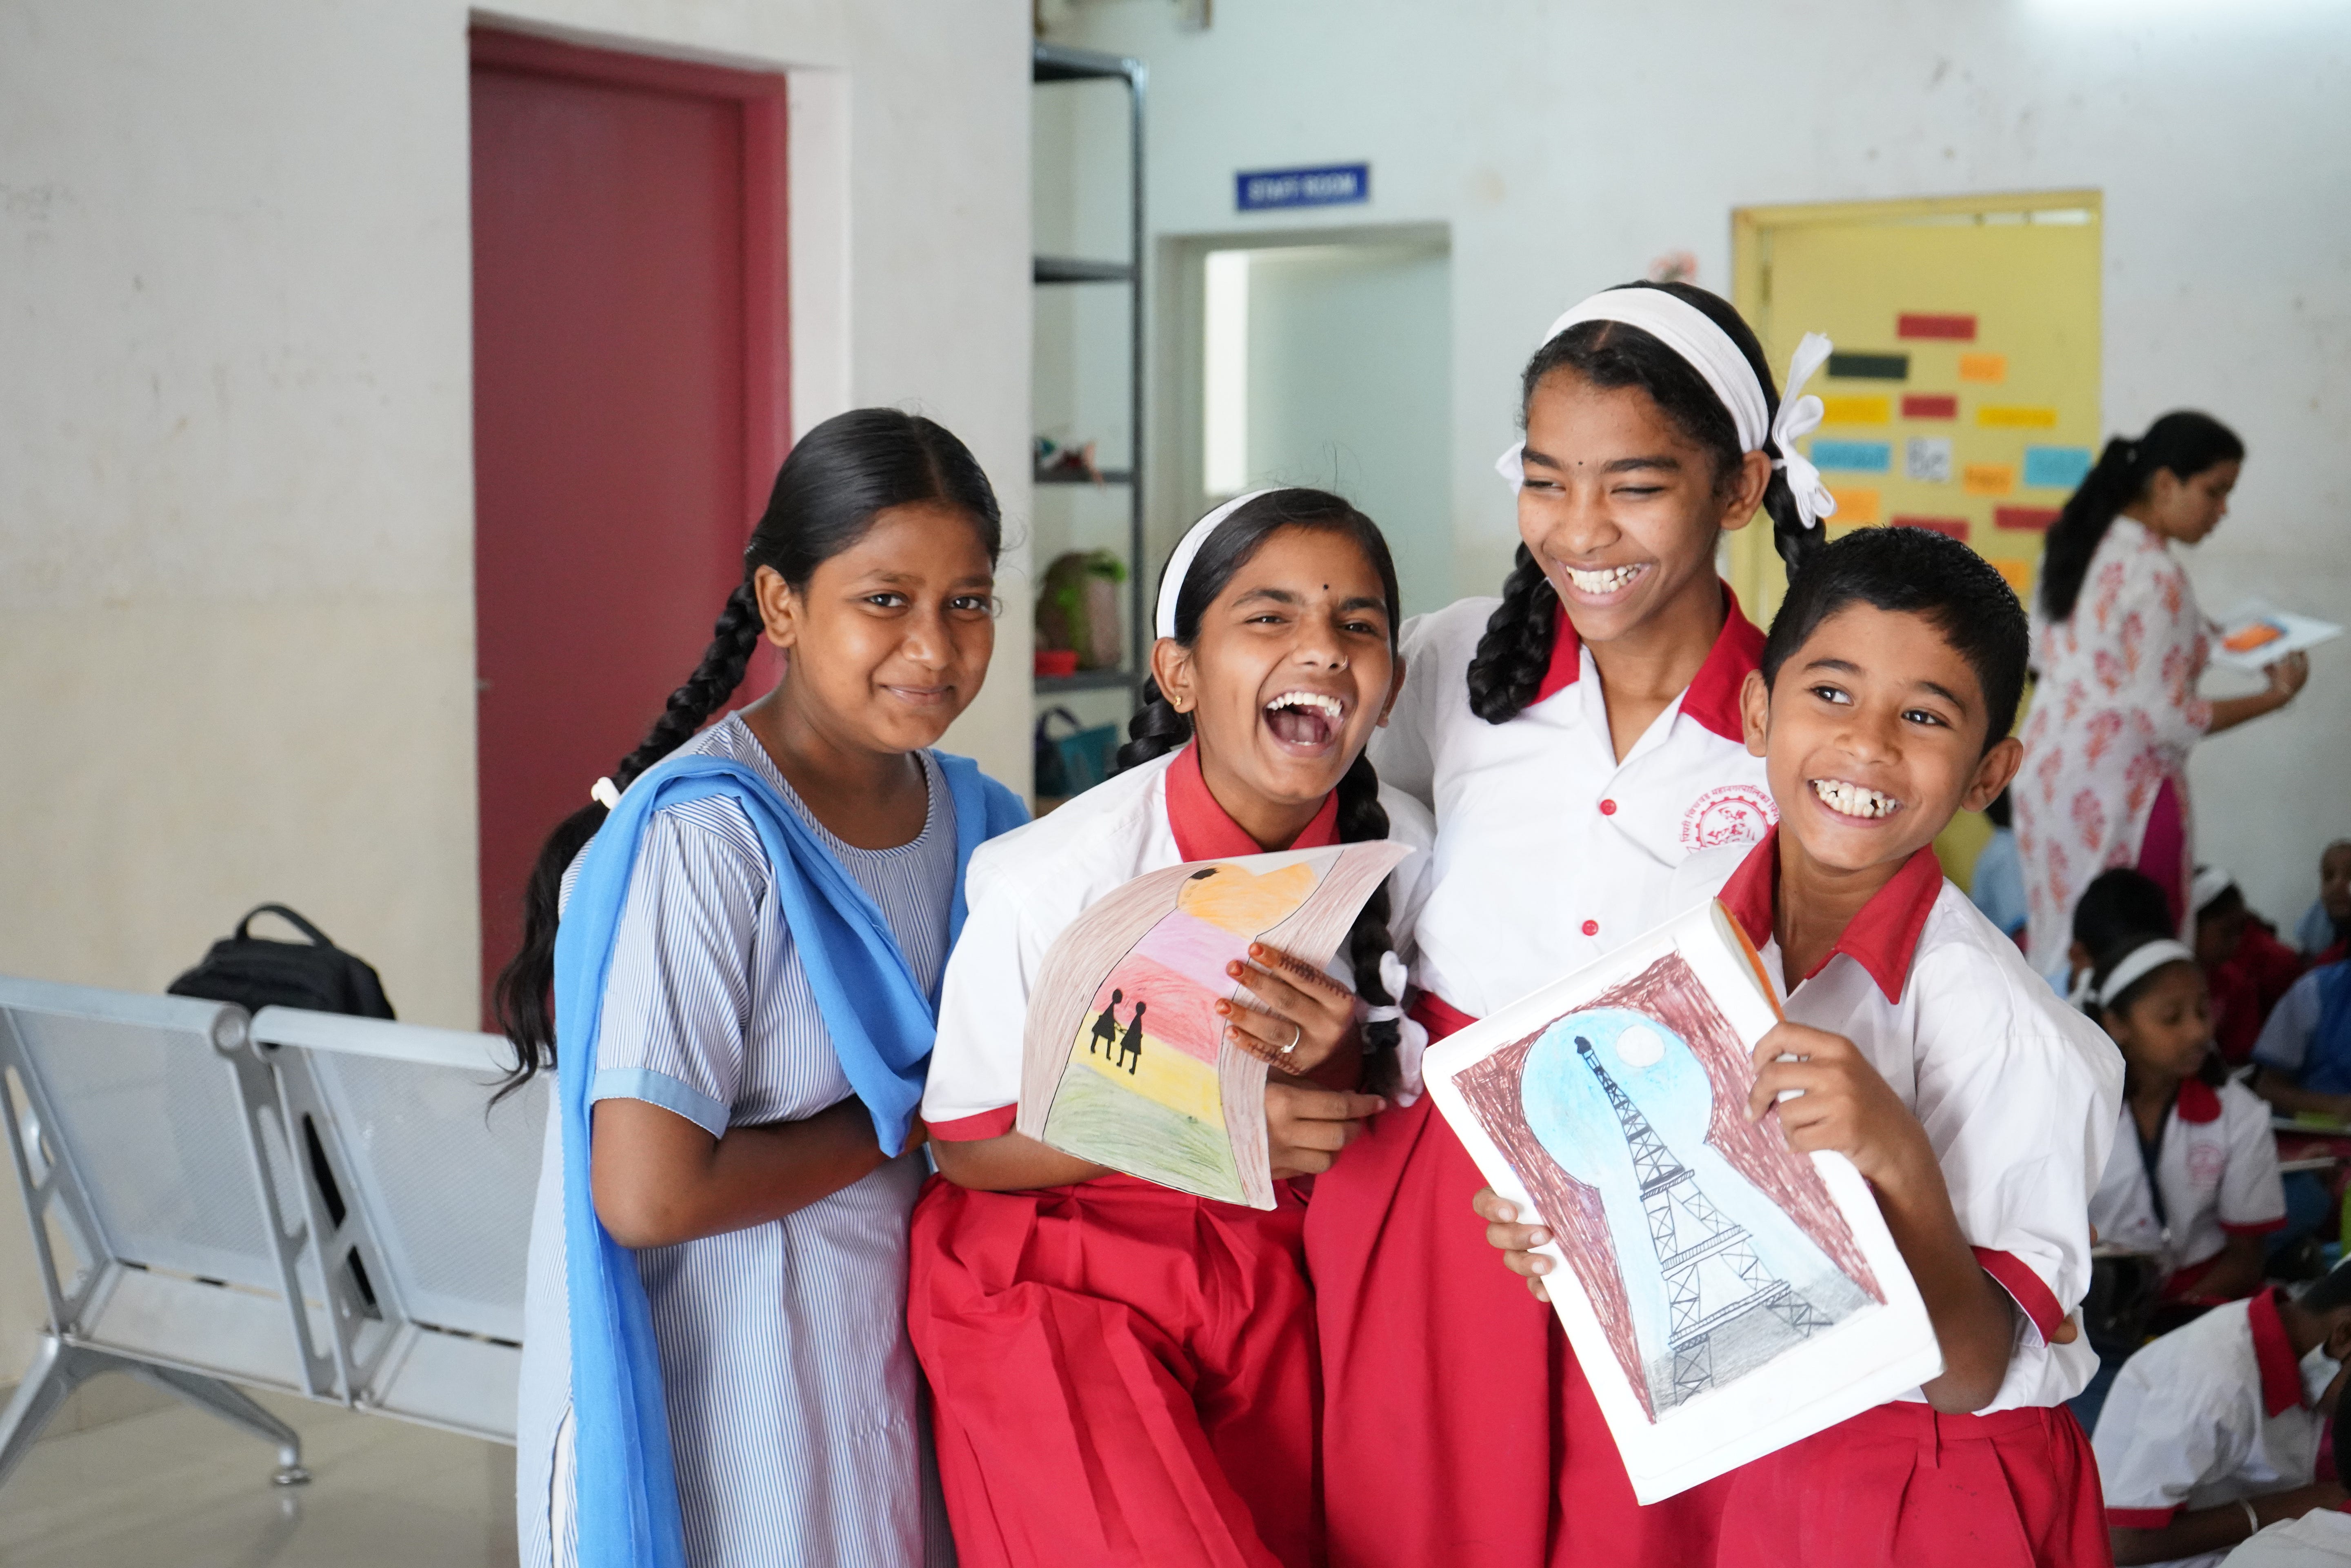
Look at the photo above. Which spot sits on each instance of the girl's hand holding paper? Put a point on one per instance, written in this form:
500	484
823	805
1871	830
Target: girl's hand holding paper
1302	1016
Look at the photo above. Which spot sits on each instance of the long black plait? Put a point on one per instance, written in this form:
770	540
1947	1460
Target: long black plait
523	993
1512	655
1361	820
1155	730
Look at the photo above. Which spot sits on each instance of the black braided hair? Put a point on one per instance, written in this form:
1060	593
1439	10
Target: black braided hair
1159	729
1511	657
839	477
2185	441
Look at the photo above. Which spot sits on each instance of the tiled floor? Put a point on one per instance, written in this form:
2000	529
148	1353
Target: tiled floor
179	1488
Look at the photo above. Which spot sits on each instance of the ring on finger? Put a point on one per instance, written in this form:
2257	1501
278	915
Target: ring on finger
1299	1033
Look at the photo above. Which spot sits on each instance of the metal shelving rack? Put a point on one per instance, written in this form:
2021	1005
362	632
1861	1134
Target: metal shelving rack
1059	63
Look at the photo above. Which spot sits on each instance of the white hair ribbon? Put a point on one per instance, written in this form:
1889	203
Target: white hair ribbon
1179	565
1799	415
2135	965
1412	1040
1698	339
604	795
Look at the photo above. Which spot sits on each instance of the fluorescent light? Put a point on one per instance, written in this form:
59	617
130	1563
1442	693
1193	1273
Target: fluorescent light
1223	412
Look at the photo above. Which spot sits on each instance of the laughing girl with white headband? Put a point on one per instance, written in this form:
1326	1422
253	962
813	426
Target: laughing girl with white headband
2194	1173
1576	741
1126	1373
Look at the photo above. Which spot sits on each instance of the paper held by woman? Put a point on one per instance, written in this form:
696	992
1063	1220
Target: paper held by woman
1725	1295
2257	635
1124	1060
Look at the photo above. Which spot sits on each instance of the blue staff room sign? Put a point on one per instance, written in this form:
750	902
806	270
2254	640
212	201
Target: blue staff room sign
1261	190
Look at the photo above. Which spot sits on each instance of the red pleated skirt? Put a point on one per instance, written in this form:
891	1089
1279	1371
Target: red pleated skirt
1458	1427
1121	1374
1901	1485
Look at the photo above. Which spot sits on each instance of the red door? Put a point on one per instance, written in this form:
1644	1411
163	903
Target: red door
628	408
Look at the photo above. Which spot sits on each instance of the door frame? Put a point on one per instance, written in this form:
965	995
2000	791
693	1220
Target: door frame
766	269
1177	495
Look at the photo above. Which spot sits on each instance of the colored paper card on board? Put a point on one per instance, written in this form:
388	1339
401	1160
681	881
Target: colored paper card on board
2034	520
2055	467
1930	405
1983	367
1870	367
1955	527
2018	574
1853	456
2016	416
1855	506
1956	329
1987	478
1926	459
1856	410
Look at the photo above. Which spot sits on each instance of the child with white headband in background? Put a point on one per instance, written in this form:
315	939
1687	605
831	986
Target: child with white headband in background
1576	741
1123	1372
2193	1177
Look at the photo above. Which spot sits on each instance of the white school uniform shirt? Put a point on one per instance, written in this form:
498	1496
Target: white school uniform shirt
2209	1413
1024	886
2216	1170
1550	853
2318	1539
2016	1090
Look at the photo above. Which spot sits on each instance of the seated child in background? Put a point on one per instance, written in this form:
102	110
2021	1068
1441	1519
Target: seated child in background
1997	886
1926	1050
2326	924
2248	969
2119	902
2212	1431
2319	1539
2304	1053
2193	1176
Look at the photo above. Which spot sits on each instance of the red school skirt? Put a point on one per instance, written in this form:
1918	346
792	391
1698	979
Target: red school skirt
1121	1374
1902	1485
1458	1427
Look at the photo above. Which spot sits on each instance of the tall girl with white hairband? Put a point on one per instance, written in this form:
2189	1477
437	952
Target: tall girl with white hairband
1125	1373
1576	741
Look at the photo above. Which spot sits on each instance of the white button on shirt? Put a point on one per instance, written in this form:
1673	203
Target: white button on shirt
2218	1170
2016	1090
2208	1413
1549	852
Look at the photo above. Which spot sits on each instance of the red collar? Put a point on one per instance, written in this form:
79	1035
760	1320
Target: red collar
1712	698
2273	1354
1881	938
1205	831
2198	1101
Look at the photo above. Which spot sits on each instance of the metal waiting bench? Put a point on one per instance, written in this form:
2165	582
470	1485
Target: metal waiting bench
299	1202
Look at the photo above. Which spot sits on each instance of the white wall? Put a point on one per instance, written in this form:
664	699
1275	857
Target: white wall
236	483
1567	143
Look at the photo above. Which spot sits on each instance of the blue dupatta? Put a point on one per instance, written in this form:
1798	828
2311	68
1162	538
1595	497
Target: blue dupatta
881	1023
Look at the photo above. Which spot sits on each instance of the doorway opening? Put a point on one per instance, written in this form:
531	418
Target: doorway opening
1324	359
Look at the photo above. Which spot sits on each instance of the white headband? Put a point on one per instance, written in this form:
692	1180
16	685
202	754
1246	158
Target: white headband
1693	334
2211	882
2135	965
1179	565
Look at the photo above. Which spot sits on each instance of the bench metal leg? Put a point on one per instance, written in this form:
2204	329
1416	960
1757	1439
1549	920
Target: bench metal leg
233	1406
59	1368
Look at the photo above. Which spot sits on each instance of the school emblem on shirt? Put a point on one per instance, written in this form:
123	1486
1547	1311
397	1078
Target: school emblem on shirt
2205	1163
1732	814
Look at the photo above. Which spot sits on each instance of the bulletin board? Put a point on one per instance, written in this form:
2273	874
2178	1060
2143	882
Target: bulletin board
1963	395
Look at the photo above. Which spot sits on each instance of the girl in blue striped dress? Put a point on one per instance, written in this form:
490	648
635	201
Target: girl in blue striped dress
715	1369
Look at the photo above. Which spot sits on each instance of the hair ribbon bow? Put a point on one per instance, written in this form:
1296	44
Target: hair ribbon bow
1799	415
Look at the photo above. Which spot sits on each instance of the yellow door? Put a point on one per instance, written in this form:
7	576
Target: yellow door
1964	392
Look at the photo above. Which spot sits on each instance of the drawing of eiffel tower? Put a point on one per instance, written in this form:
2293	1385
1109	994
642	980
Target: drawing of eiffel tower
1688	1231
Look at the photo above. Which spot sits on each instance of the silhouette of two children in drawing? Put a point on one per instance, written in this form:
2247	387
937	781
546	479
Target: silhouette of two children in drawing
1128	1052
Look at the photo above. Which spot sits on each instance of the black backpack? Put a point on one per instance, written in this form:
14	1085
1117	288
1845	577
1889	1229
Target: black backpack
255	972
